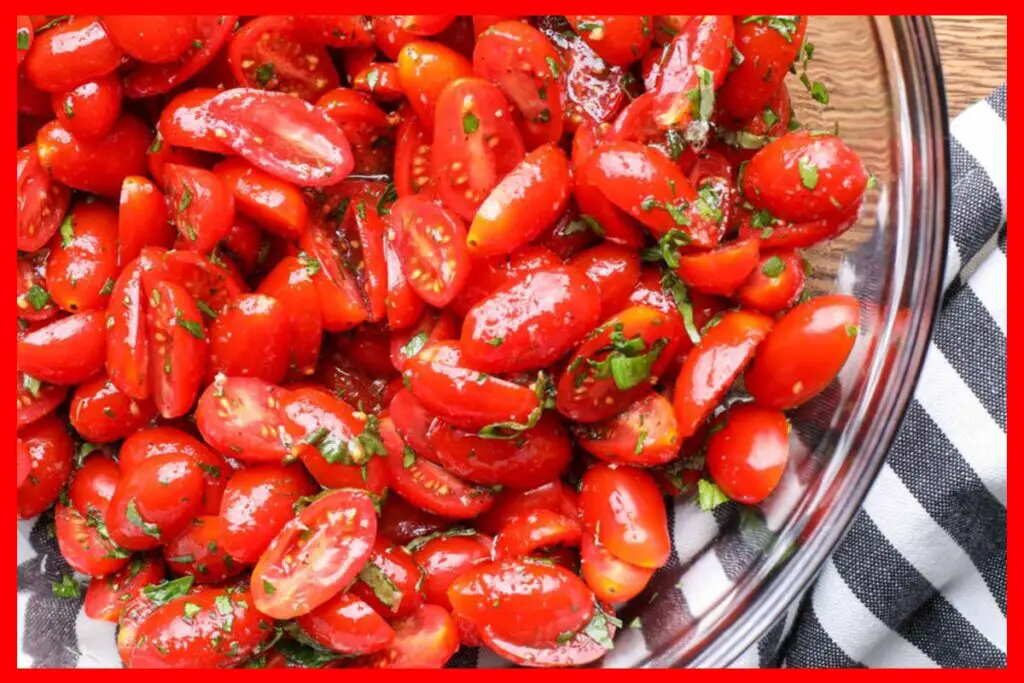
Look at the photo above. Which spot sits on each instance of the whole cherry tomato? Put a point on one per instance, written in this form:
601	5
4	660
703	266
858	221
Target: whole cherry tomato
614	269
50	450
97	165
71	53
347	625
100	412
67	351
251	316
89	110
156	39
424	69
82	263
105	596
747	451
447	556
510	503
533	531
488	274
199	552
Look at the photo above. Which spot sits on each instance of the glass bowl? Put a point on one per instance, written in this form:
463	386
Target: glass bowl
734	571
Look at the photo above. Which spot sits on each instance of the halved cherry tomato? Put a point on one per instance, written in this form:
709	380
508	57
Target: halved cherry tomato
42	201
141	219
530	322
611	579
578	650
431	244
703	47
526	602
614	270
185	122
402	522
424	69
643	435
271	53
598	213
426	639
99	165
367	128
155	501
618	40
389	583
429	486
244	245
342	377
348	30
282	135
84	545
71	53
533	87
101	413
804	351
476	143
747	452
198	552
177	349
200	204
535	531
441	380
535	456
250	316
206	278
242	417
82	264
775	284
389	35
721	270
292	285
152	38
257	503
412	422
37	399
127	344
146	80
50	450
447	556
341	303
624	509
315	555
424	24
413	170
105	597
617	364
66	351
347	625
487	275
714	364
89	110
362	234
404	305
805	177
782	235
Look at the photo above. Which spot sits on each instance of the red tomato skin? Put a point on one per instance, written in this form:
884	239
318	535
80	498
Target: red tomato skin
257	503
534	458
748	454
722	270
396	563
165	492
380	80
445	558
275	204
530	322
714	364
147	443
89	111
141	219
624	509
523	601
534	531
160	154
618	40
32	273
773	179
578	651
434	326
80	269
185	122
424	69
42	201
617	225
402	522
614	270
368	129
31	407
200	204
311	543
801	235
198	552
101	413
83	547
50	451
705	41
389	35
804	352
348	31
523	204
347	625
426	639
127	344
510	503
177	362
772	294
94	484
404	305
292	285
241	416
611	579
98	166
104	598
25	29
751	84
154	39
487	275
71	53
439	378
298	67
251	316
215	284
643	435
187	640
66	351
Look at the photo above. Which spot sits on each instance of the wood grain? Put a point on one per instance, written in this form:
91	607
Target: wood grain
973	53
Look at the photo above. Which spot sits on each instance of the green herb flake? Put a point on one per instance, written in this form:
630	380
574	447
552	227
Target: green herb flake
67	231
414	345
496	342
709	496
770	117
470	123
135	519
819	93
191	609
69	107
372	78
23	39
808	173
67	587
193	327
162	593
675	288
186	199
108	287
37	297
264	74
786	26
598	628
182	559
408	457
852	330
553	66
773	267
223	605
381	584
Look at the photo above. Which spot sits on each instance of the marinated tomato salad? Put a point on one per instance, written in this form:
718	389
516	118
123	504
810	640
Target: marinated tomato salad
349	341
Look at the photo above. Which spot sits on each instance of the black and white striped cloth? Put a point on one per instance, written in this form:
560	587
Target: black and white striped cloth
919	581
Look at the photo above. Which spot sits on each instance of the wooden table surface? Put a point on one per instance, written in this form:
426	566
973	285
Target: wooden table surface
973	53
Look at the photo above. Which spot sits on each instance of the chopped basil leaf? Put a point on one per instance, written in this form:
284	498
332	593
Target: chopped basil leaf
709	496
191	326
470	123
67	231
598	628
162	593
808	173
553	66
786	26
671	284
852	330
67	588
414	345
268	587
420	541
381	584
372	78
509	430
773	267
311	264
37	297
156	145
408	457
496	342
191	609
676	144
186	199
23	39
264	74
69	107
629	371
135	519
819	92
182	559
205	308
223	605
770	117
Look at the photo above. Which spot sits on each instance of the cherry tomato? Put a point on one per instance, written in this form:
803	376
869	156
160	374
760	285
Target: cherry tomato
127	347
704	47
66	351
156	39
714	364
36	399
782	235
412	422
389	581
747	452
50	450
316	554
534	531
141	219
526	602
402	522
362	234
177	349
531	321
341	303
82	264
476	143
804	177
578	650
186	122
282	135
348	31
89	111
426	639
71	53
488	275
617	363
817	336
292	285
618	40
598	213
84	546
424	69
722	270
445	557
155	501
200	204
611	579
431	244
614	270
347	625
430	327
535	456
105	596
42	201
251	316
413	170
93	485
623	508
510	503
775	284
368	129
146	80
242	417
404	305
101	413
161	153
271	53
643	435
35	305
100	165
207	279
257	503
198	552
533	87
